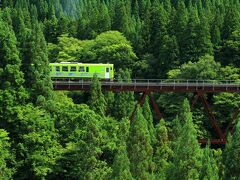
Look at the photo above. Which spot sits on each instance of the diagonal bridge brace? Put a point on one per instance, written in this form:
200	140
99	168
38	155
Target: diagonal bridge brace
141	102
211	116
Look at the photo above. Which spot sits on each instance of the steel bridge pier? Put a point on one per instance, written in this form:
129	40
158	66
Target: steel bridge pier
199	87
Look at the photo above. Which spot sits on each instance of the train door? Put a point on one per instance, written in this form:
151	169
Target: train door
107	74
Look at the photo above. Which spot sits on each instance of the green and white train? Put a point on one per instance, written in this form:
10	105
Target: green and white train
70	70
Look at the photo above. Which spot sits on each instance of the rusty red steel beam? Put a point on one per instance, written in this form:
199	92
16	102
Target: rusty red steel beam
213	141
118	87
155	107
194	100
211	116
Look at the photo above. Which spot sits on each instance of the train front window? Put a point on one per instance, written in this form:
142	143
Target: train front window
81	69
57	68
73	69
65	68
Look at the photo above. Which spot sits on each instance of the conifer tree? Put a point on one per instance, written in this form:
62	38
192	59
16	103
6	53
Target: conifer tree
159	23
216	29
209	168
147	114
188	45
124	101
231	157
35	64
140	151
97	101
145	34
121	18
186	161
12	92
168	55
231	24
51	26
162	152
179	21
121	164
110	100
104	19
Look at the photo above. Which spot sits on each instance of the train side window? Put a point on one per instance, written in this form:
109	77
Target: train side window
87	69
65	68
73	69
81	69
57	68
107	69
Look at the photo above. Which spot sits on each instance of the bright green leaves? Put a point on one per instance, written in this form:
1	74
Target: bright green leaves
6	156
206	68
37	145
108	47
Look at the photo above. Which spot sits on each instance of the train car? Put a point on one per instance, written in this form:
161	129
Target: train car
81	70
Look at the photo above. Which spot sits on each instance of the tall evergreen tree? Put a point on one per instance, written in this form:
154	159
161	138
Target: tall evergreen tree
12	92
231	155
97	101
147	114
203	40
35	64
162	150
188	46
231	24
51	26
124	101
121	18
209	168
140	151
216	28
121	164
186	162
159	23
179	21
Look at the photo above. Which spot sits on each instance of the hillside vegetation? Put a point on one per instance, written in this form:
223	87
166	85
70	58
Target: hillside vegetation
87	135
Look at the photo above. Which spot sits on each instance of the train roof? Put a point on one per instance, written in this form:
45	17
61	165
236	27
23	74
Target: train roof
79	63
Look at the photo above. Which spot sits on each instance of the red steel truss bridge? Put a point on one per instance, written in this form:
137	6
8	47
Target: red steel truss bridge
148	86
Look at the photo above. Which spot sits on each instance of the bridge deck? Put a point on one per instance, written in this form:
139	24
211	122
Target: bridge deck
152	85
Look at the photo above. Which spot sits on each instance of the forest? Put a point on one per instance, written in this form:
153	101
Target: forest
47	134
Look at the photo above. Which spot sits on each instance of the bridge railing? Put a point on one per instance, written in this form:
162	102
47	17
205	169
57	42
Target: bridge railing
189	82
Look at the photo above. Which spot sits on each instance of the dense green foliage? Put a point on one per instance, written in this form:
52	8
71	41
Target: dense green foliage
59	135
